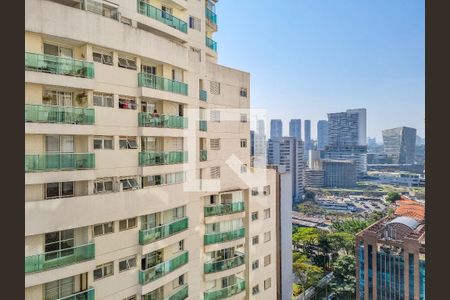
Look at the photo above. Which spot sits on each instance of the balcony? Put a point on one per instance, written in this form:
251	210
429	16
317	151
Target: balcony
100	8
211	18
203	125
203	95
226	292
161	83
84	295
225	264
211	44
59	258
162	158
179	294
224	209
164	268
203	155
161	16
59	162
221	237
36	113
58	65
147	236
164	121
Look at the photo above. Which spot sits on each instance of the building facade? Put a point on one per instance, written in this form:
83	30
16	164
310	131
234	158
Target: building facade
322	134
307	140
400	144
288	152
339	173
295	128
276	129
137	177
390	261
260	145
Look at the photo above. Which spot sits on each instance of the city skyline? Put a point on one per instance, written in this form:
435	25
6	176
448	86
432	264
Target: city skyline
377	60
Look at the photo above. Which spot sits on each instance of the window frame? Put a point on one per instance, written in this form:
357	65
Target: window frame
129	143
104	227
267	260
127	262
103	268
103	55
103	139
255	215
127	224
126	62
267	213
106	99
243	143
269	235
103	181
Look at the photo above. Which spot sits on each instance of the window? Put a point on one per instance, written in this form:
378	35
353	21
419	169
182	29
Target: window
62	98
255	191
181	245
255	264
103	142
243	143
254	215
243	92
59	190
244	168
102	99
59	289
266	236
103	56
255	289
105	228
194	23
129	184
104	270
214	144
59	144
267	213
127	102
244	118
167	12
215	172
127	263
127	224
255	240
57	50
103	186
148	70
267	260
59	244
266	190
125	21
127	62
267	283
215	115
128	142
214	87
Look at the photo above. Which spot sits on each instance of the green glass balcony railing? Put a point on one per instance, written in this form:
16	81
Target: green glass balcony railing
84	295
226	292
97	7
224	209
151	235
211	44
161	16
38	113
164	268
179	294
161	83
203	95
59	162
59	258
203	155
211	16
164	121
220	237
58	65
222	265
203	125
162	158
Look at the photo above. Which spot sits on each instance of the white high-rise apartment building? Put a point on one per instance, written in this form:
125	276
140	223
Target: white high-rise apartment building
137	183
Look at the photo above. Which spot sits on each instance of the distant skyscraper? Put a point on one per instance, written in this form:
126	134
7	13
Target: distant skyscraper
347	138
322	134
260	145
252	143
371	142
400	144
288	152
295	128
276	129
307	139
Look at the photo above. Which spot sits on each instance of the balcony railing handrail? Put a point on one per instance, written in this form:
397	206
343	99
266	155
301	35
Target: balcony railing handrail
183	256
240	285
76	294
176	291
224	232
59	161
145	119
48	113
61	250
236	256
211	16
61	58
146	11
224	204
163	225
210	43
58	106
40	61
172	85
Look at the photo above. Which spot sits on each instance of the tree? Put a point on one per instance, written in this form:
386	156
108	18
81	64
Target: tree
307	273
310	196
344	281
352	226
306	239
393	196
